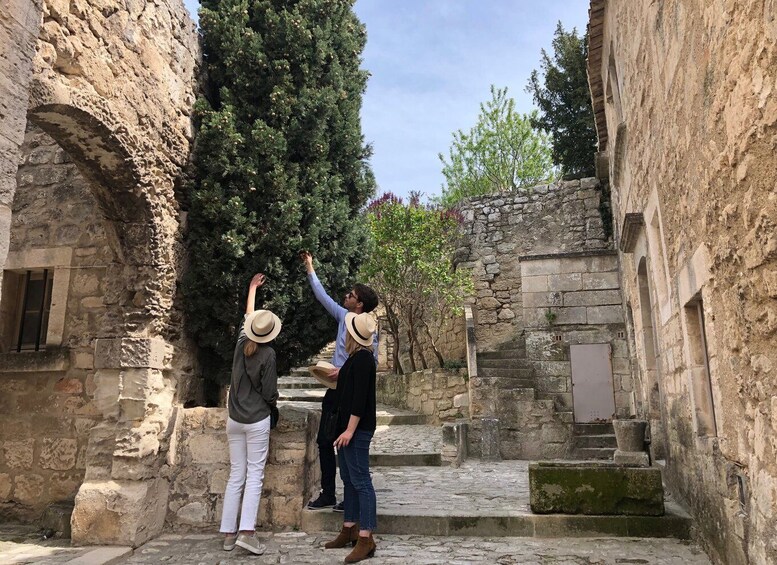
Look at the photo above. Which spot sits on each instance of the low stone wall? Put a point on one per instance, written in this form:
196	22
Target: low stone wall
441	394
200	470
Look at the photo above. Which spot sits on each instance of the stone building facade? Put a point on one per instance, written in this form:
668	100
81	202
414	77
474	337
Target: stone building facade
686	113
546	282
95	128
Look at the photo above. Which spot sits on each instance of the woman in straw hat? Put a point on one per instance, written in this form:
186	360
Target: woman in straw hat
356	425
253	393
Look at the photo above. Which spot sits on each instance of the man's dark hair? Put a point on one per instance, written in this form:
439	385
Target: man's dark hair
367	297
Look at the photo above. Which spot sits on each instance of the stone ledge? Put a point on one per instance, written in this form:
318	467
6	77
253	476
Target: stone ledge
595	488
44	361
568	254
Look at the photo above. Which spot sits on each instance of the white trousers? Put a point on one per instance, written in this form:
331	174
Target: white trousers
248	447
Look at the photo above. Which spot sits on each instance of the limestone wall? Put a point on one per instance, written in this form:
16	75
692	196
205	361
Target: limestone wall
546	279
689	122
199	470
48	400
113	83
500	229
441	394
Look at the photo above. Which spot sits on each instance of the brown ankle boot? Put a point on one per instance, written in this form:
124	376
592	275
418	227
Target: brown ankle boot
365	548
347	535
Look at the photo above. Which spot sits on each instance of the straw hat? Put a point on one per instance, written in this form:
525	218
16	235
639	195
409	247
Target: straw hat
262	326
321	371
361	327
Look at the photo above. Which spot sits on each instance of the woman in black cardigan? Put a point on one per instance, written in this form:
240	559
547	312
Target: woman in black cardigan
356	425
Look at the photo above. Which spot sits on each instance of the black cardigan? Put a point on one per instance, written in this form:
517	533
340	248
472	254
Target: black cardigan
356	391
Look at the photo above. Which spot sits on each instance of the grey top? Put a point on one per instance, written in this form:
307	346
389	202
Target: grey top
254	385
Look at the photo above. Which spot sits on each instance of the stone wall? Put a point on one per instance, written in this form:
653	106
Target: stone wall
687	120
546	278
114	86
582	294
48	404
441	394
547	219
199	470
450	339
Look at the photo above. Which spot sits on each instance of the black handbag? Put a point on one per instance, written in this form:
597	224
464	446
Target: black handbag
329	424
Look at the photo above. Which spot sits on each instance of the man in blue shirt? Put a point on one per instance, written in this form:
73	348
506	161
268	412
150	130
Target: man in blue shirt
360	298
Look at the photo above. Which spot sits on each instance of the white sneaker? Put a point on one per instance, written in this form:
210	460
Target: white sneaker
229	542
251	543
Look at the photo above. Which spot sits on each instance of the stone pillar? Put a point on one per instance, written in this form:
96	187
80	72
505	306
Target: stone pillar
454	442
489	440
123	499
19	26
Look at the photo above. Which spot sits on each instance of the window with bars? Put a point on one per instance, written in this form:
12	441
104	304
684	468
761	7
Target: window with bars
31	305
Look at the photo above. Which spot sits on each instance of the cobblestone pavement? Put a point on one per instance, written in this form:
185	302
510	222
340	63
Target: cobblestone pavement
299	547
407	439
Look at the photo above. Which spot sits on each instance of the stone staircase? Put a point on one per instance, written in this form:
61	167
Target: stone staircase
593	441
418	495
541	408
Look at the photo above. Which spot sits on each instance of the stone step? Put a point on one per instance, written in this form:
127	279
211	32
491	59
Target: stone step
488	362
299	383
593	453
503	354
593	428
405	460
674	524
301	395
392	418
506	373
595	441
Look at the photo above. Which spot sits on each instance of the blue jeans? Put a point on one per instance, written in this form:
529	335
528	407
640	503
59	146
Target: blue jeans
359	503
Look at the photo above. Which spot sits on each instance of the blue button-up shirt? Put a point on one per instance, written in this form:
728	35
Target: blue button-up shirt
338	312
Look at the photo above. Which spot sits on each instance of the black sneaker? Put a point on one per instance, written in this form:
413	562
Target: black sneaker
338	507
323	501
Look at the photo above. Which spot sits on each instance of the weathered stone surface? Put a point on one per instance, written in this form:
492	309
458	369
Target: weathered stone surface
707	132
58	454
595	488
432	392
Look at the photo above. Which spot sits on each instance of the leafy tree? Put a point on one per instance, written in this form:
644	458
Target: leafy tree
502	152
564	100
280	165
410	266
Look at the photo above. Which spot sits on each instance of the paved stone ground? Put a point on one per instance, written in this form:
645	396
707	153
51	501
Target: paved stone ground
299	547
407	439
499	488
21	544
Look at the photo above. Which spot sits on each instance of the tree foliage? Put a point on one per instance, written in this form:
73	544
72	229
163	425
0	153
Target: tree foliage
502	152
280	165
564	100
410	266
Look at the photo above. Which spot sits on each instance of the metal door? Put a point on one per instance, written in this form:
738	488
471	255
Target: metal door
592	392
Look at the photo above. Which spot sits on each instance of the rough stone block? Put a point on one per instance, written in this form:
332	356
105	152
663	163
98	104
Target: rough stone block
28	489
565	282
58	454
595	488
574	315
18	454
605	315
131	353
5	486
633	458
540	267
600	281
592	298
535	283
208	448
135	514
489	440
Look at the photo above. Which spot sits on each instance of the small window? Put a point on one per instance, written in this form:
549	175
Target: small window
33	305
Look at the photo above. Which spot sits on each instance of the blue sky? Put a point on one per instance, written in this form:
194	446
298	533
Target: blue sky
432	63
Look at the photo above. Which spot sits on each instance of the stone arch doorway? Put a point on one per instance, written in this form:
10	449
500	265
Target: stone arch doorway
93	397
111	94
651	370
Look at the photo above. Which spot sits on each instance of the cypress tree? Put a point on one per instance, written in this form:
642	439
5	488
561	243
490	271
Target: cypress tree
280	166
